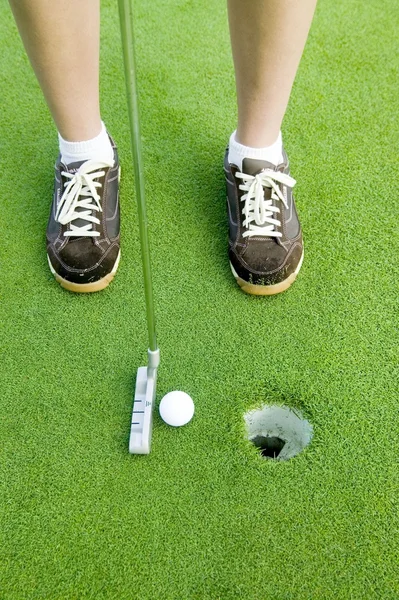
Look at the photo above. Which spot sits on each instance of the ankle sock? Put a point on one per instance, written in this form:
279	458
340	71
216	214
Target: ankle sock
237	152
98	148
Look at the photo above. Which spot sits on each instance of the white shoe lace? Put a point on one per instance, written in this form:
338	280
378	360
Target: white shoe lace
80	199
257	208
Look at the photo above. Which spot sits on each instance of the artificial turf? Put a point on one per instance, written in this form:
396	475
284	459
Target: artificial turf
204	516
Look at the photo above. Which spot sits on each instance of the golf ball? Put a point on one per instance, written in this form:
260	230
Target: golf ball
176	408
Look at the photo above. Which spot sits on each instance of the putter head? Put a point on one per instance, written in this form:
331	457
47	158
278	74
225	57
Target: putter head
144	400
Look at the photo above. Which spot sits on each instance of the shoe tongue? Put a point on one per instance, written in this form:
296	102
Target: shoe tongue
253	166
74	168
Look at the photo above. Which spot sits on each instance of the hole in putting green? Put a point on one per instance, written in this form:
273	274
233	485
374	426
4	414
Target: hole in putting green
279	432
270	447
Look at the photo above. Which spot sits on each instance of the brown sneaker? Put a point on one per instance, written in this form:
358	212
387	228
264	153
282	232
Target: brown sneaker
83	245
265	238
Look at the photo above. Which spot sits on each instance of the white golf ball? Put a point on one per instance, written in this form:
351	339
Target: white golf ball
176	408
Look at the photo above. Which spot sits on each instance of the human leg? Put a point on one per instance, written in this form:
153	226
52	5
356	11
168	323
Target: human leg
265	248
268	38
62	41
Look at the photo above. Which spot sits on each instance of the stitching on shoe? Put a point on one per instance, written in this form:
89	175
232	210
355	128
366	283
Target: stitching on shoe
105	205
291	214
100	245
293	241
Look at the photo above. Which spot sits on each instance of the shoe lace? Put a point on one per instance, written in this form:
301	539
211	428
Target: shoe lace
260	211
80	199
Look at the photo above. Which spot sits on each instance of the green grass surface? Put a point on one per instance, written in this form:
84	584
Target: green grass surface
204	517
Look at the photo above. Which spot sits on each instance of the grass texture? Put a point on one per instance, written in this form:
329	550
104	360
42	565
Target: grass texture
204	516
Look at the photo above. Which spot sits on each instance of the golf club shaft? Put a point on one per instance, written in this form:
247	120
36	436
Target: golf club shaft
126	24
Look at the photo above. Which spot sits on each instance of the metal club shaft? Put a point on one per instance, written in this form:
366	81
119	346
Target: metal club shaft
126	24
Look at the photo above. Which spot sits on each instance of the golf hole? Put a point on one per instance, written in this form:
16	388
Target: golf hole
279	432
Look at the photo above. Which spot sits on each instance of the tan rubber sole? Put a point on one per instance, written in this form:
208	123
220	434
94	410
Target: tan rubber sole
266	290
86	288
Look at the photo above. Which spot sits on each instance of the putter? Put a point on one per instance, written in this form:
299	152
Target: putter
146	380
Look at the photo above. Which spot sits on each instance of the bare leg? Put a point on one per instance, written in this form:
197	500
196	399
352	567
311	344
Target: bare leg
62	41
268	38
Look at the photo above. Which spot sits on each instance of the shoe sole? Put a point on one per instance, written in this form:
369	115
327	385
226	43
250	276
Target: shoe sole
86	288
266	290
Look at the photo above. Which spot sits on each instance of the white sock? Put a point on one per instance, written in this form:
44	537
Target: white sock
98	148
237	152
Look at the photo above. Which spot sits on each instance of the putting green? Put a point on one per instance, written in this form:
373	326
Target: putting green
204	516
